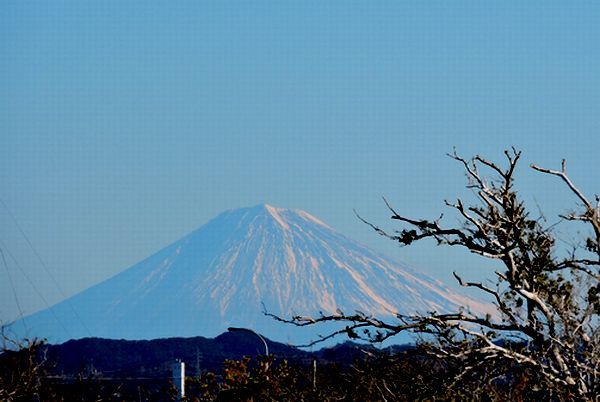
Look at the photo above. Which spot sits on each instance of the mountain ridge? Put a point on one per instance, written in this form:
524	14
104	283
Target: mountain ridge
220	275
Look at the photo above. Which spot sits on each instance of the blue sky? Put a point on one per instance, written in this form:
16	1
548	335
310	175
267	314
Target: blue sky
125	125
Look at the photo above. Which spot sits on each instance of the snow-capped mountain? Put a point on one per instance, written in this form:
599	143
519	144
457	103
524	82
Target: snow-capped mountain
221	274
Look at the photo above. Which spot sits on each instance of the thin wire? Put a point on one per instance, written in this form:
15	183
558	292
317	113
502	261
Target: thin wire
12	285
35	288
45	267
111	379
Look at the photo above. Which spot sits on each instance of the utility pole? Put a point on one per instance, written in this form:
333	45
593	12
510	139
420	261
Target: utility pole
314	374
197	362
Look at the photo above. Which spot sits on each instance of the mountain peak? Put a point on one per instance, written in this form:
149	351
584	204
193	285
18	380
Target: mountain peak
275	213
283	215
224	273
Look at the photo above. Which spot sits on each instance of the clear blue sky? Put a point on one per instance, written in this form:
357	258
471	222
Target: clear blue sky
125	125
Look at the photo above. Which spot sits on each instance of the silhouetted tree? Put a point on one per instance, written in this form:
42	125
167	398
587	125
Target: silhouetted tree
545	333
22	367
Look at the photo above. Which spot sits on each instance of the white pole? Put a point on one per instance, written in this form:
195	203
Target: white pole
314	374
179	378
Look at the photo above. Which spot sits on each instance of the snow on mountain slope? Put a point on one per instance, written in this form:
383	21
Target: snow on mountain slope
221	274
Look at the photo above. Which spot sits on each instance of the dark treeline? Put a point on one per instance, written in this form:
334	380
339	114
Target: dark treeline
118	370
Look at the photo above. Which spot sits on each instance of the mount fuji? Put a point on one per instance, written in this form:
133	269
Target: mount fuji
223	273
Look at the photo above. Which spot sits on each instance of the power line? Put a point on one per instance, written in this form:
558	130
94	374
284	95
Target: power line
12	285
35	289
41	261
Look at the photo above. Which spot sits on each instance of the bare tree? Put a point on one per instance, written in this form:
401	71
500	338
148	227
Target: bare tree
548	300
22	367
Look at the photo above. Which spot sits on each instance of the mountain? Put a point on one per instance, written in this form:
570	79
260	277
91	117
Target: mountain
222	274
